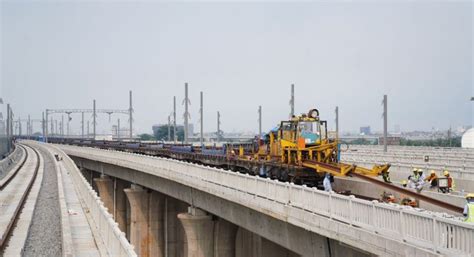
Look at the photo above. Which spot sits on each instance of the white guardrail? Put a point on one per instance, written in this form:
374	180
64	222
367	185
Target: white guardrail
429	230
114	239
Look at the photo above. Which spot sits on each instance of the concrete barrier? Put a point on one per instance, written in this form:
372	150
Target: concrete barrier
11	159
419	228
114	239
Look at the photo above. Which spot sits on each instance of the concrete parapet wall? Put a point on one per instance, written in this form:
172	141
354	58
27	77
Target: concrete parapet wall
8	162
114	239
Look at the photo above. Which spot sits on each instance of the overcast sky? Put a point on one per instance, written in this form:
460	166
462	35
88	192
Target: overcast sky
242	55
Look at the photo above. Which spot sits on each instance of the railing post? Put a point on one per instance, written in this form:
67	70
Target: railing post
330	204
374	217
402	225
351	210
435	234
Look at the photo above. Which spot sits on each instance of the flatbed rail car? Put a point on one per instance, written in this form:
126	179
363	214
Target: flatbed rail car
221	157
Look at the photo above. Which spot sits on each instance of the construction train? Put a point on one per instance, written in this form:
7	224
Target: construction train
298	150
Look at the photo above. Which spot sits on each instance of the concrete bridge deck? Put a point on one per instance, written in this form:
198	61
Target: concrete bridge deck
295	217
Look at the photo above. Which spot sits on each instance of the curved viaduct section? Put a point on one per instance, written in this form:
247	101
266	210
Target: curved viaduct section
302	220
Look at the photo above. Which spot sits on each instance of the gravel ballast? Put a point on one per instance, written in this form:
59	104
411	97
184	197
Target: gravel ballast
44	237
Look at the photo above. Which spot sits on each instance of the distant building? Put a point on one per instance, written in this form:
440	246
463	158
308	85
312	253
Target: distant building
365	130
390	140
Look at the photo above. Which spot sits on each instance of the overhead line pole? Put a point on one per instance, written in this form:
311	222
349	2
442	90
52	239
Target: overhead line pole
201	110
169	128
52	126
62	125
43	126
186	113
131	115
292	101
174	120
28	129
8	126
19	127
337	122
46	127
118	129
259	121
82	125
218	126
94	120
385	123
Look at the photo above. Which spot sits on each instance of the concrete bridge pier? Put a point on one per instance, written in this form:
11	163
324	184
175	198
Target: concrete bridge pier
105	188
139	215
199	230
175	238
156	227
120	199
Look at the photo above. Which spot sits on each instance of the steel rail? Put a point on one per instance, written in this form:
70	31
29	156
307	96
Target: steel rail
16	214
393	187
410	193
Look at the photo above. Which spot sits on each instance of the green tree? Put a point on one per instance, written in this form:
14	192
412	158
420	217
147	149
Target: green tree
162	133
146	137
440	142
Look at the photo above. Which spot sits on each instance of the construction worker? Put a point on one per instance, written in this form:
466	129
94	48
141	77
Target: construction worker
404	183
451	184
327	183
412	179
417	180
469	208
432	179
386	177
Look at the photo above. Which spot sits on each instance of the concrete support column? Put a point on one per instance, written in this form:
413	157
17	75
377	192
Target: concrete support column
225	234
105	187
156	224
120	214
199	228
175	238
139	216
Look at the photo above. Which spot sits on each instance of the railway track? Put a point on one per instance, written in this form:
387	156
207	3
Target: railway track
14	191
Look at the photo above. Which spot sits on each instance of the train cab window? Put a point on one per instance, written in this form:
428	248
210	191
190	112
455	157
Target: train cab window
288	129
310	131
